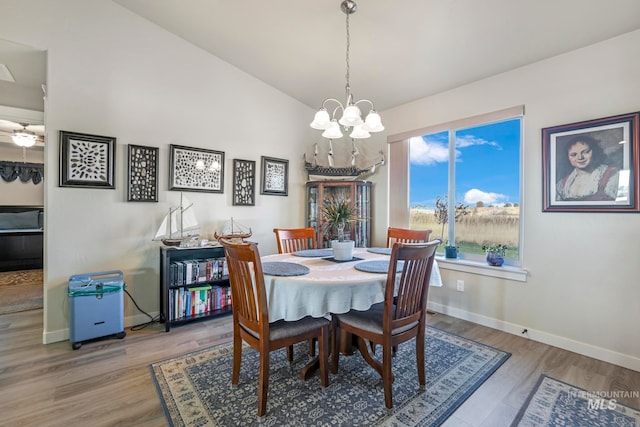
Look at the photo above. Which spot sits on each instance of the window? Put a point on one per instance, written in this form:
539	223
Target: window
468	172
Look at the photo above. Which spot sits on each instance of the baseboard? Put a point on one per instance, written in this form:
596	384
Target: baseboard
585	349
64	334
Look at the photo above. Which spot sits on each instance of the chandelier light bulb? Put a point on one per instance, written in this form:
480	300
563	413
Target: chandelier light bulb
359	132
333	131
373	123
321	121
351	116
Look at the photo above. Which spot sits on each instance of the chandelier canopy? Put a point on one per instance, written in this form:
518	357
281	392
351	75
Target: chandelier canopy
351	117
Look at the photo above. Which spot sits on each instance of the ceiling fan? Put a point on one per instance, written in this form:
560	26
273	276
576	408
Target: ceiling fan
22	134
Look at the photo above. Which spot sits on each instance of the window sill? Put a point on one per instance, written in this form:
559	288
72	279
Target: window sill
508	272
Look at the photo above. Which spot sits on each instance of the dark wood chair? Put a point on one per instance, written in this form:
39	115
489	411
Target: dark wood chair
295	239
292	240
251	319
396	320
404	235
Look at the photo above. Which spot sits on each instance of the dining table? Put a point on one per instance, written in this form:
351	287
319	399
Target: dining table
312	283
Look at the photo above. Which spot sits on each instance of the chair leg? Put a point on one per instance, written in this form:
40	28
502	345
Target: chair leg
263	382
387	377
290	353
335	351
312	347
323	350
420	360
237	358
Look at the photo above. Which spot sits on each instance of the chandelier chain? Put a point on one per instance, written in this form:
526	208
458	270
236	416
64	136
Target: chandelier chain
347	86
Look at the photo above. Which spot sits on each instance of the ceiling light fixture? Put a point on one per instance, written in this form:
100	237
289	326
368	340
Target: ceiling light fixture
351	116
24	137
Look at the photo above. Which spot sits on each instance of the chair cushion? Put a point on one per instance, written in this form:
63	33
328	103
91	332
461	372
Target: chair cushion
283	329
371	320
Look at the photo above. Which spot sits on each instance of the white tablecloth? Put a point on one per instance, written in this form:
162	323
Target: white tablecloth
330	287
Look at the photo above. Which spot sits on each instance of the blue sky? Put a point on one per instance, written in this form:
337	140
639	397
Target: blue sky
487	165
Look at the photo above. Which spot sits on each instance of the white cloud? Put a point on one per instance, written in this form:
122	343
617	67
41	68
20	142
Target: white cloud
474	196
427	152
470	140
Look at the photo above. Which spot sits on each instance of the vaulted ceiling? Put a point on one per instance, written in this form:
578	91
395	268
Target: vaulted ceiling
401	50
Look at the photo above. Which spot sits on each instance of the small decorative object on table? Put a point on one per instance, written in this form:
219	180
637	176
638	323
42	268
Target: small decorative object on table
495	254
337	212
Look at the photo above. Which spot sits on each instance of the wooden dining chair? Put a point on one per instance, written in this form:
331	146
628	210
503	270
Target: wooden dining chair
295	239
404	235
292	240
396	320
251	319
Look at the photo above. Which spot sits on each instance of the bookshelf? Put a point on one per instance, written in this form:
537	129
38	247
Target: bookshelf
194	284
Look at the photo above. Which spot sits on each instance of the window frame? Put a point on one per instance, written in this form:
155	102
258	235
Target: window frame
399	168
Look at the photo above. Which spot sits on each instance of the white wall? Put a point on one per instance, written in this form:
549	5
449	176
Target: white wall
582	292
112	73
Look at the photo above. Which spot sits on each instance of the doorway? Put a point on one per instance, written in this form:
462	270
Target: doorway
22	105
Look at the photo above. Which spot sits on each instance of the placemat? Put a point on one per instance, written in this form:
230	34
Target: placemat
381	251
314	252
376	266
281	268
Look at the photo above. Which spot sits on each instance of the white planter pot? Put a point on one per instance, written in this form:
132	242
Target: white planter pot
343	251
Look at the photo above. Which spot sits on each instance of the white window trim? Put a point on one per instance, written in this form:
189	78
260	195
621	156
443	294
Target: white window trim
509	272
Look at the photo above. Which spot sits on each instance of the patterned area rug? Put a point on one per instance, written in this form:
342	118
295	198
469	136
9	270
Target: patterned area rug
195	389
20	290
555	403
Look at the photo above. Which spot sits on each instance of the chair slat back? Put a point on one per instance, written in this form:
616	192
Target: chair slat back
247	285
404	235
412	287
295	239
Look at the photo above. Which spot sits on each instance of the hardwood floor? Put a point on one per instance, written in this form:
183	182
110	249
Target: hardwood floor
107	382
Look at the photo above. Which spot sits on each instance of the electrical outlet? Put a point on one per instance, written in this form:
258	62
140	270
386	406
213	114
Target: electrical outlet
460	285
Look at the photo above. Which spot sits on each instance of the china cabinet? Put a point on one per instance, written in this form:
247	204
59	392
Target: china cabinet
358	193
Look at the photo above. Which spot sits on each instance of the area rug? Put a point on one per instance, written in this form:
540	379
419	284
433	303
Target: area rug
20	290
555	403
195	389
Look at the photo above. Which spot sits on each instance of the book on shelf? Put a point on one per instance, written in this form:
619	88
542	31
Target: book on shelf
189	272
187	302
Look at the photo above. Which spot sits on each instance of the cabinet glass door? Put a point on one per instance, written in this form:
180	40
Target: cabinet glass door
312	207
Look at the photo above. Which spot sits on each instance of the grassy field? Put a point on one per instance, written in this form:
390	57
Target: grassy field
483	225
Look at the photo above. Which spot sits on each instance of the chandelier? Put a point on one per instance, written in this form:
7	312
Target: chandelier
351	117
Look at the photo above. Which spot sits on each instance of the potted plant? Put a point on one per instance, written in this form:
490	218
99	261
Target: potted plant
495	254
337	213
450	251
441	212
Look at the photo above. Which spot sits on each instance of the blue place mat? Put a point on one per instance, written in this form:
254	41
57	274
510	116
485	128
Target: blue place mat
314	252
381	251
280	268
376	266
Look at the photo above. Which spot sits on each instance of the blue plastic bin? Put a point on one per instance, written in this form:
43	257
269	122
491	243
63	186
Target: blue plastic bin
96	306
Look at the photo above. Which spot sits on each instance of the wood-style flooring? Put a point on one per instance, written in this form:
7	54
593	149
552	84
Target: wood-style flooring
107	382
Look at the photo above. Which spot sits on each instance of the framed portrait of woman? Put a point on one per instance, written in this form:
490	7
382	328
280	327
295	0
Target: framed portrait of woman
591	166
